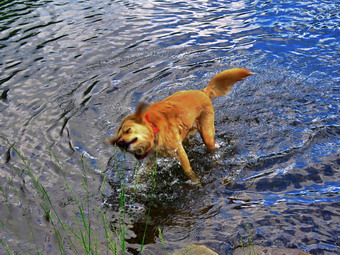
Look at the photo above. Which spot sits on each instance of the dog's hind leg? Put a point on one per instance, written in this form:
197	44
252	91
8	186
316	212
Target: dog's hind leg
206	128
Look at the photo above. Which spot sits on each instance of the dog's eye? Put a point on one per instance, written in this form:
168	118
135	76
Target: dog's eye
127	131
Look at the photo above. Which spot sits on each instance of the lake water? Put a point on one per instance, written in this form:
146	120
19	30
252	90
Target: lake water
71	70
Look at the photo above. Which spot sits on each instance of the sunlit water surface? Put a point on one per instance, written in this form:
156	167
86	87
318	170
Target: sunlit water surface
71	70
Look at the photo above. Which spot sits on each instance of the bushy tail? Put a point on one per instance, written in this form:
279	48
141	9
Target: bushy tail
222	82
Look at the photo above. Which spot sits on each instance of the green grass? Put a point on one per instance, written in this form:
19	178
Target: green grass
248	243
82	235
161	237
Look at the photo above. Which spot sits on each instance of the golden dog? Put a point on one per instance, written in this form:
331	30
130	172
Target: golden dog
161	127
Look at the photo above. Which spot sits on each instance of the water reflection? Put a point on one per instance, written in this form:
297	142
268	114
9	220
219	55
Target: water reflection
72	70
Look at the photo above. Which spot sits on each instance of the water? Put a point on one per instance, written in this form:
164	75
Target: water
70	71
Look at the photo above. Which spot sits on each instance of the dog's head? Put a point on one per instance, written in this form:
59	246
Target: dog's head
135	134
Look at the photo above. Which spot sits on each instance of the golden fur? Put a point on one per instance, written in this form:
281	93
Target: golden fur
161	127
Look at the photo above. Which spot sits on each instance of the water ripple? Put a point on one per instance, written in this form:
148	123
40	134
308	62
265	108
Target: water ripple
71	70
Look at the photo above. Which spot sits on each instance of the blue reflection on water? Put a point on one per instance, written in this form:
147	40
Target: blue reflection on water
70	66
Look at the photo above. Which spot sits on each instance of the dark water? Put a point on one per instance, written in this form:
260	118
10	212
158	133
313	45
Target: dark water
70	70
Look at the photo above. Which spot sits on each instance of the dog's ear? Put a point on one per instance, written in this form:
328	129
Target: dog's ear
141	107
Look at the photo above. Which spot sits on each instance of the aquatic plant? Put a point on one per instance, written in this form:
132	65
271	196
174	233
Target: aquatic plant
248	242
79	235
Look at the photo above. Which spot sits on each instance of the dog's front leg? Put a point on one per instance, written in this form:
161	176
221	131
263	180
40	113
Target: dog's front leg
183	159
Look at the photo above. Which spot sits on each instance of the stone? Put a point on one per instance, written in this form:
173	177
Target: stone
194	249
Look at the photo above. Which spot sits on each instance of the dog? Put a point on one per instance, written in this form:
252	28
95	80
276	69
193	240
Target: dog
161	127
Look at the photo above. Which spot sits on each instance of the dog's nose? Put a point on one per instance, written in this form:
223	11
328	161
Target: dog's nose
122	144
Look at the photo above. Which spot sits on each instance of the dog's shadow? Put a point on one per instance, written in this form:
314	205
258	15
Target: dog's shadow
164	193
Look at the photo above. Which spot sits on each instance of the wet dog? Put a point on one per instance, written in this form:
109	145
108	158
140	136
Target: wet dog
161	127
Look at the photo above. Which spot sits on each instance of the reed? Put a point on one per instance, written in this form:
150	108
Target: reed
51	213
154	185
248	243
80	235
161	237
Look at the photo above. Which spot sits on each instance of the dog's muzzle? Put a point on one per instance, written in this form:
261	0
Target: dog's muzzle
124	145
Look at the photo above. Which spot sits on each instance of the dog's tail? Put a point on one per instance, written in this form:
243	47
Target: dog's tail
222	82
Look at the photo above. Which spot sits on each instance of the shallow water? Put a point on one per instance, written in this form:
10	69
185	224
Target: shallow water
71	70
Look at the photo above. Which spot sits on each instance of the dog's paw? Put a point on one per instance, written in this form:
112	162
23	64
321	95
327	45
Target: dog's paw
195	184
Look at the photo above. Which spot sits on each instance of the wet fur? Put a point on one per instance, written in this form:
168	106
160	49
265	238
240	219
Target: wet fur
176	117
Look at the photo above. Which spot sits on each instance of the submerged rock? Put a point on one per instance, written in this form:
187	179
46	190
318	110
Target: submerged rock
257	250
194	249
